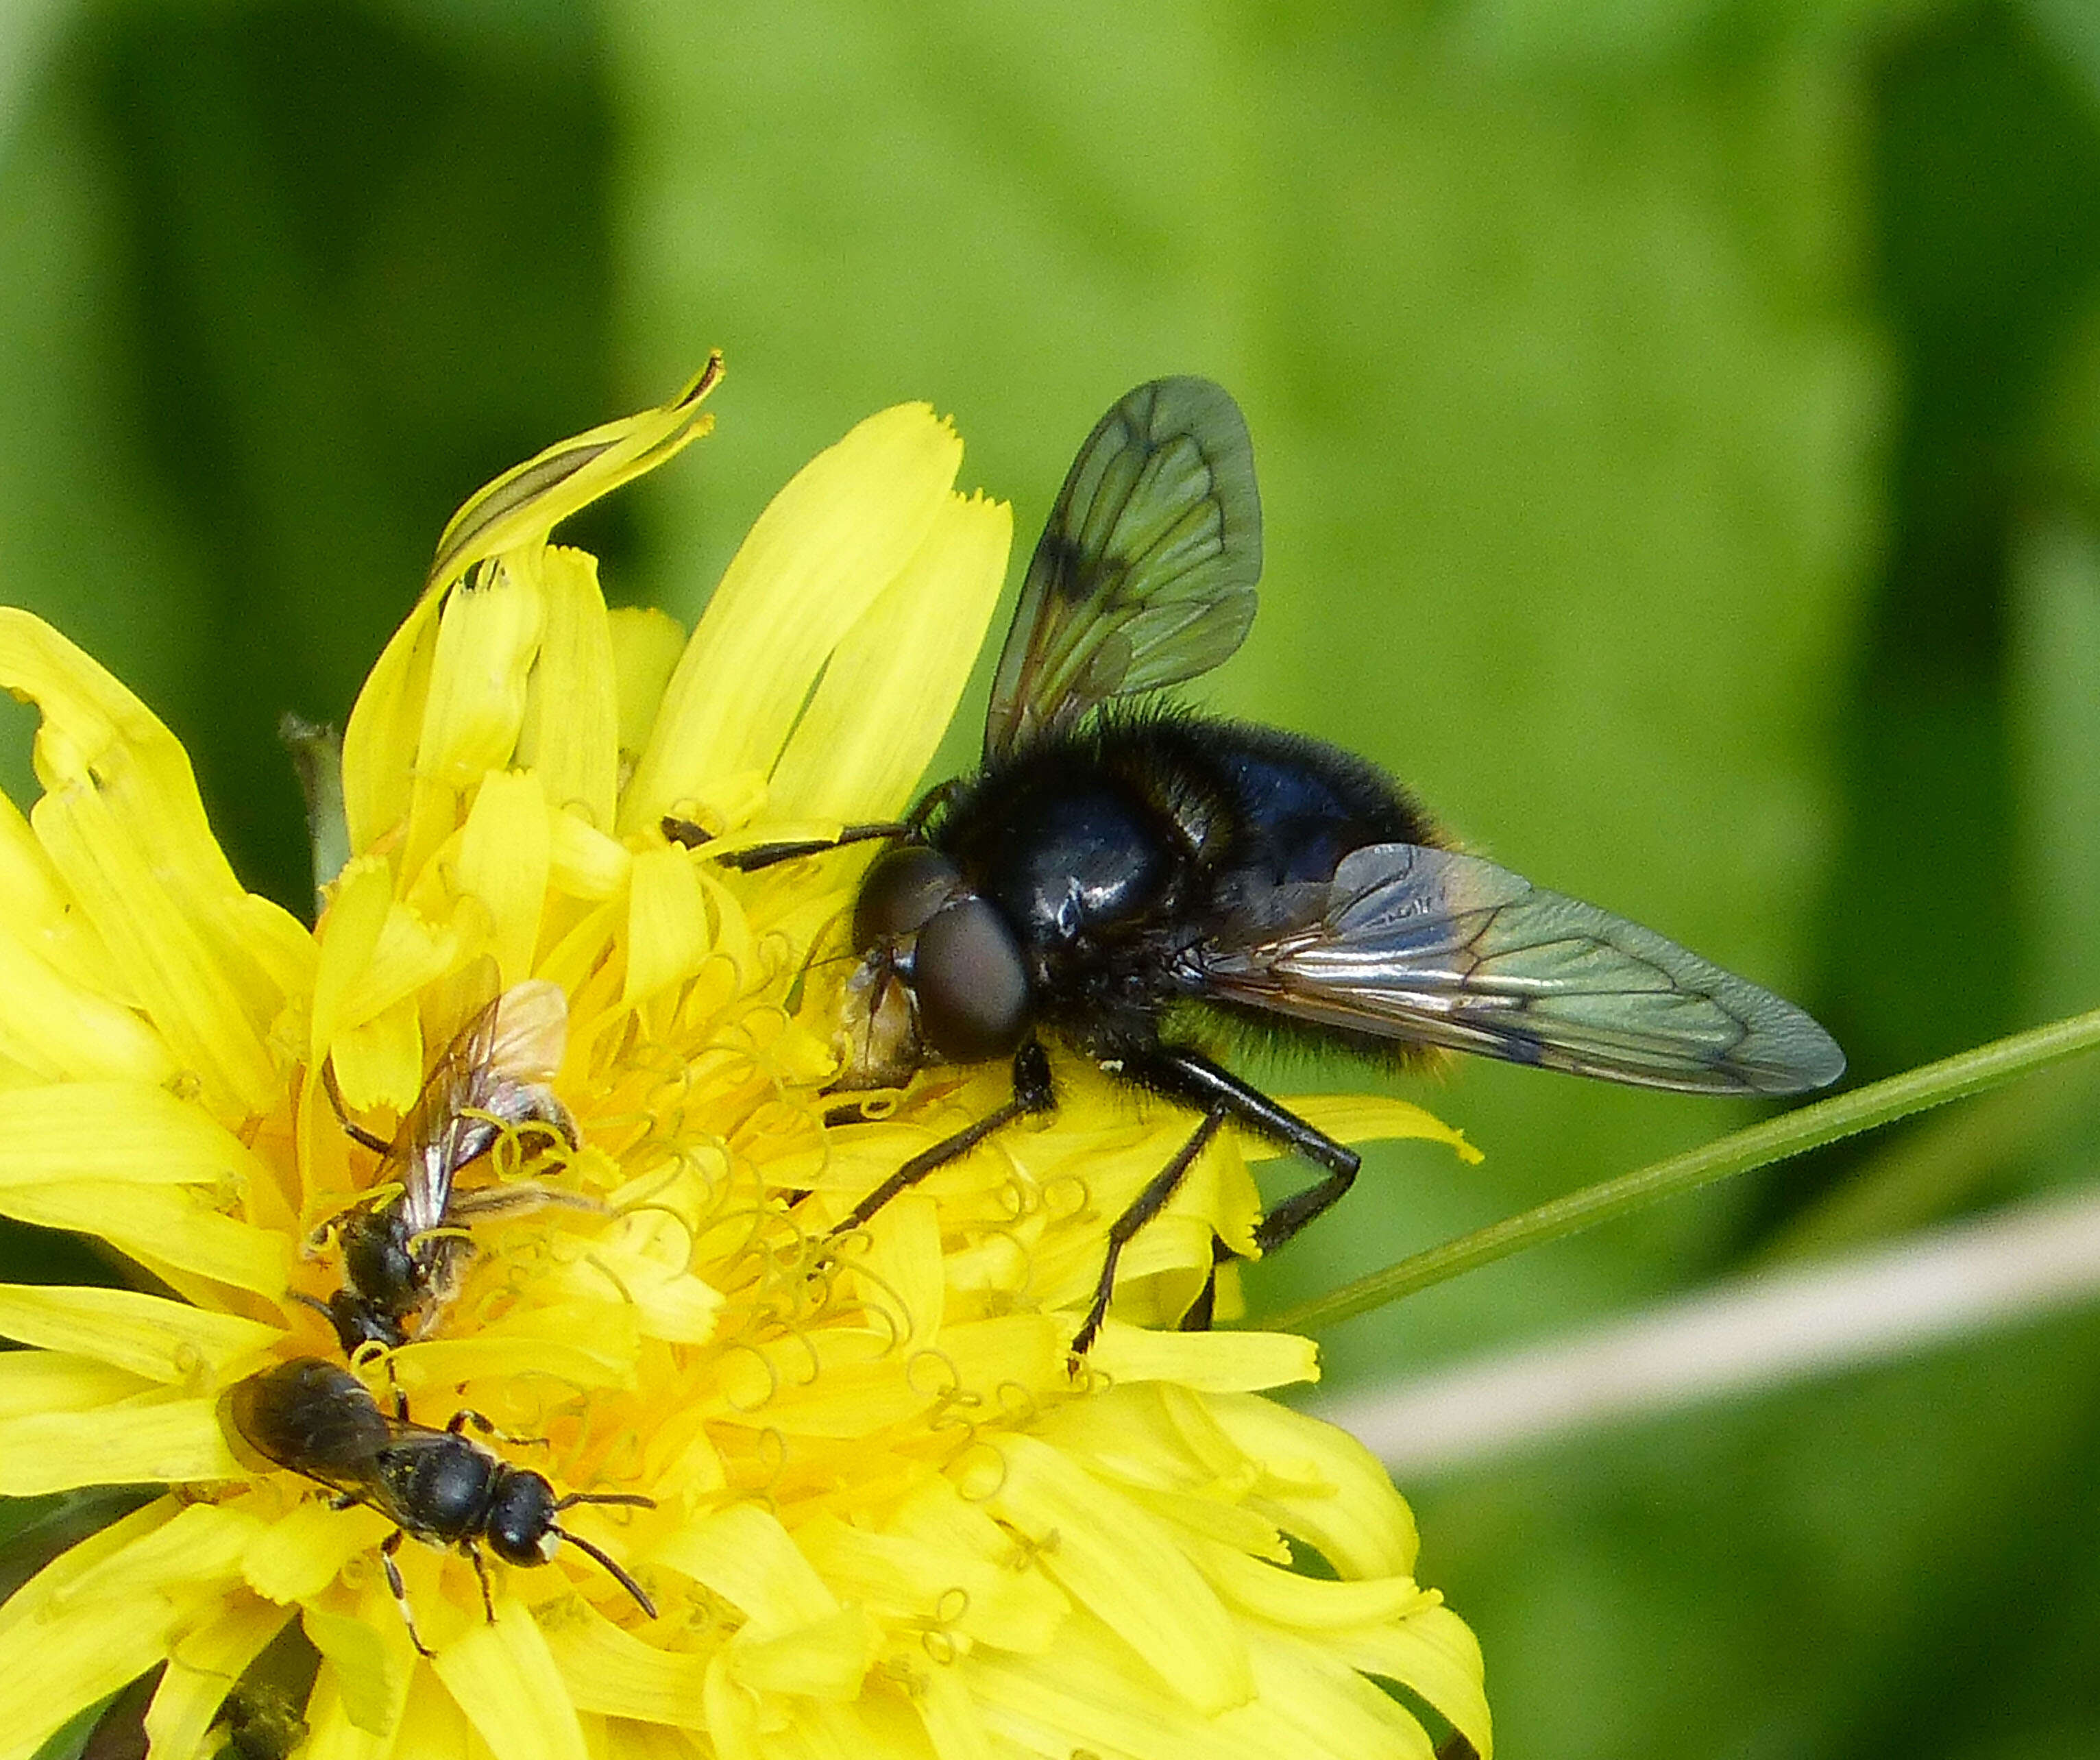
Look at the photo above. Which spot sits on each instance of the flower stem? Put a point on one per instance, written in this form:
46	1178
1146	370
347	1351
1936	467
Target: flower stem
1794	1133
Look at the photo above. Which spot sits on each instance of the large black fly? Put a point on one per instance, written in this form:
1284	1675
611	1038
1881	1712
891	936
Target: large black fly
1130	877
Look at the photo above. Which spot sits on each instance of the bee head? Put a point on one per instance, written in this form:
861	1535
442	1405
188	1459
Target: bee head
521	1519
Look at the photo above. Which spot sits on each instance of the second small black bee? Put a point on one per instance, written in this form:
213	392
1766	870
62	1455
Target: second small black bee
317	1419
401	1253
1142	882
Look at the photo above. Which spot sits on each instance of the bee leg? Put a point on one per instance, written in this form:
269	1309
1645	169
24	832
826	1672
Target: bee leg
355	1132
1032	1093
467	1415
481	1572
1194	1079
388	1548
1147	1204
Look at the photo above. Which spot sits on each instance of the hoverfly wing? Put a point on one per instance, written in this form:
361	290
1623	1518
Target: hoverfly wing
1449	950
1145	572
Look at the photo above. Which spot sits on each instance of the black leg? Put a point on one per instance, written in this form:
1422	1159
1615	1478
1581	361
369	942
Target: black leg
355	1132
481	1572
1204	1309
1191	1077
771	855
1031	1094
388	1548
1147	1204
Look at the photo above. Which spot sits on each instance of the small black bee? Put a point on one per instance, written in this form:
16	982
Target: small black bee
316	1418
399	1271
1140	881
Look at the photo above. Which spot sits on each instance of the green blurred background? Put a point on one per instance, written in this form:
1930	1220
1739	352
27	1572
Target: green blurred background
1679	428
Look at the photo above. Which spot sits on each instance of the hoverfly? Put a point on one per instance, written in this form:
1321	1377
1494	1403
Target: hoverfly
398	1270
317	1419
1137	880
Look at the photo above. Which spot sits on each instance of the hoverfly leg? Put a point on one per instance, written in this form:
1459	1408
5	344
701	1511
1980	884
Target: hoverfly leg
388	1548
1032	1094
1194	1080
750	861
1203	1310
1147	1204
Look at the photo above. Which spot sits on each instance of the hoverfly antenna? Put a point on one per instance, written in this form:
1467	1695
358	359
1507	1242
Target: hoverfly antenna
611	1565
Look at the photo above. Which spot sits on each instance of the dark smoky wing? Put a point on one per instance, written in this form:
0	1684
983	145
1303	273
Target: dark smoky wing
312	1417
1438	948
437	1136
1144	574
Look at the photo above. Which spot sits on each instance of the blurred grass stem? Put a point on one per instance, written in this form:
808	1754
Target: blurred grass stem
1794	1133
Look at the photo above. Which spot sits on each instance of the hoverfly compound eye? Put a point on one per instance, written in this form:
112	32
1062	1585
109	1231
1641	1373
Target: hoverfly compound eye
971	986
903	888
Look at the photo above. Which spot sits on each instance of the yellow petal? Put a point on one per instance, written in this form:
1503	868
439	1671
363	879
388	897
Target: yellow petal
503	862
1286	1598
379	1062
891	688
1324	1486
127	1130
160	1225
585	863
60	1451
123	825
828	546
386	724
594	1344
1210	1362
904	1577
168	1341
646	646
205	1543
504	1678
1364	1118
53	1027
489	636
370	1658
668	932
609	1669
1115	1559
204	1667
745	1556
1087	1697
528	501
40	912
571	739
828	1659
58	1380
1313	1704
301	1553
1432	1653
954	1724
65	1663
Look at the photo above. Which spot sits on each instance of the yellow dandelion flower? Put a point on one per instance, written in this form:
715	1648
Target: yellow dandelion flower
834	1495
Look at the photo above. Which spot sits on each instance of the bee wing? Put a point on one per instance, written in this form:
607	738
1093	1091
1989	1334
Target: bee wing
532	1031
436	1136
1145	573
1443	949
